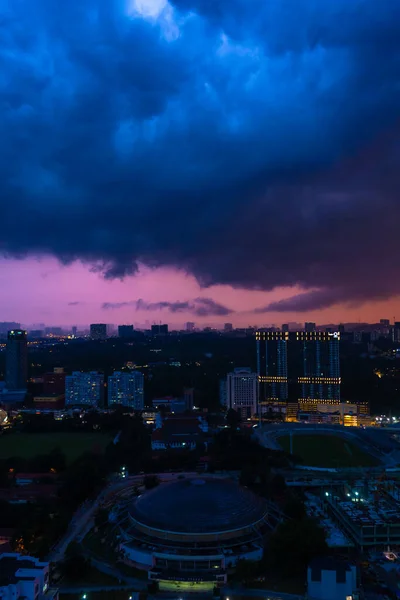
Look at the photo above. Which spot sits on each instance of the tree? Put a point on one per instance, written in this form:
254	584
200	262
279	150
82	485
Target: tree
101	517
294	544
278	485
74	566
150	481
246	570
232	418
294	508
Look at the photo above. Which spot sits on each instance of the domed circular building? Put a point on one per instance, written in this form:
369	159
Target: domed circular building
193	530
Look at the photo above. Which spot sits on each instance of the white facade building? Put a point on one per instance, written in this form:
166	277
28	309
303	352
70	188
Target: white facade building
85	389
241	392
24	577
329	579
126	389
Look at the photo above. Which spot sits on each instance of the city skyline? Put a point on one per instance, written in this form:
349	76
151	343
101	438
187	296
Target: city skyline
78	296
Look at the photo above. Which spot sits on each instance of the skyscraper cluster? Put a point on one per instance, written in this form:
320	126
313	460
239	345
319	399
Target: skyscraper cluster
300	369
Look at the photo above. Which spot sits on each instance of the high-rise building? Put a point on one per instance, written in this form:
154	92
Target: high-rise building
228	327
285	327
126	389
341	328
297	368
241	392
98	331
84	389
396	332
125	331
159	329
74	330
309	326
16	360
320	380
190	326
272	367
385	322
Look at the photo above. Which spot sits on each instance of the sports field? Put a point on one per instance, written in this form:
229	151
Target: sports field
329	451
27	445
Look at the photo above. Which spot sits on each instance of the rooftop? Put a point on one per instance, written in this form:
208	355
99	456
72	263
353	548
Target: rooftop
11	563
204	505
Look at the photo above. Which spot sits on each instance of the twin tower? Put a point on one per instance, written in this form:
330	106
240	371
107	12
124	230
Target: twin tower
298	370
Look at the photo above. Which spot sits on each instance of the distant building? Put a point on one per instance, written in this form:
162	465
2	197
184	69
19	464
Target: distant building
341	328
6	326
51	402
36	334
84	389
163	401
74	330
228	327
315	370
320	381
179	433
189	327
53	394
396	332
188	396
159	329
330	579
126	389
222	392
285	327
16	360
125	331
25	578
272	369
54	382
309	326
53	331
385	322
98	331
241	392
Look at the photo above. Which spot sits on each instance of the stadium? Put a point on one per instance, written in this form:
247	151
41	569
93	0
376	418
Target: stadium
192	531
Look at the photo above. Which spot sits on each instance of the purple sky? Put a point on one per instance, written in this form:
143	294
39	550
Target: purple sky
35	291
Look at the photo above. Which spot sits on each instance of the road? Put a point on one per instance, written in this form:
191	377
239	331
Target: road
230	593
81	520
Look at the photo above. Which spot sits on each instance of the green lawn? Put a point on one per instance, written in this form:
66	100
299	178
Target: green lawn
327	451
27	445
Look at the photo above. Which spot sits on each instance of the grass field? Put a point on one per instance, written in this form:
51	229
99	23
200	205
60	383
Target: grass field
27	445
329	451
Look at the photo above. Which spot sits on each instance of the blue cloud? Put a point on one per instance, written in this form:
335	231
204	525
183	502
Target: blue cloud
250	143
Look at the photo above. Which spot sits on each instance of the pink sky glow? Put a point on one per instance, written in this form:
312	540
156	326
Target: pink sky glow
39	291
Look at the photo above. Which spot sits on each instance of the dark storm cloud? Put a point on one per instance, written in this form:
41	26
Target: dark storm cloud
199	307
249	143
